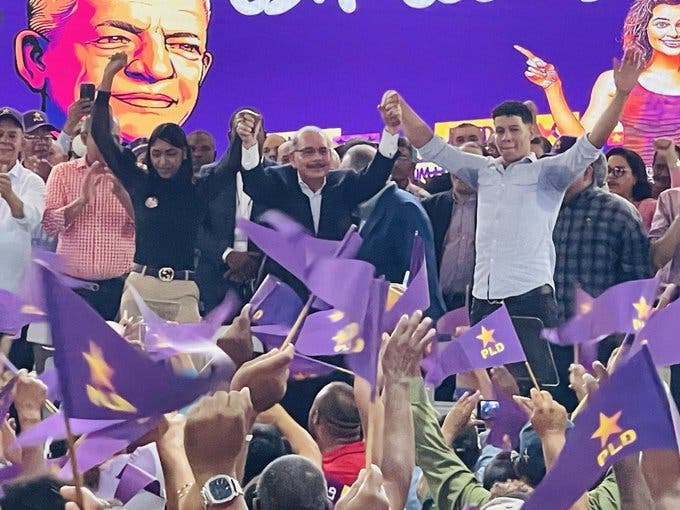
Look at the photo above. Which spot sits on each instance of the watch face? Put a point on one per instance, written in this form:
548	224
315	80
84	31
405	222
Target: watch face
220	489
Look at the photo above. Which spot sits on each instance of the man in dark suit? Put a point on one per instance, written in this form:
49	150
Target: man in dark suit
307	190
389	221
220	253
453	215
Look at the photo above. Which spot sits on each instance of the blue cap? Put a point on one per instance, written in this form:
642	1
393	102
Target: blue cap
10	113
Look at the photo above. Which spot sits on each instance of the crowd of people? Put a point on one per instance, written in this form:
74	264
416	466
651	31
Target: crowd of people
513	221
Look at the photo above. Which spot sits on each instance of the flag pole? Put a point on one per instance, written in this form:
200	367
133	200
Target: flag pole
323	363
576	354
532	375
77	479
290	337
12	368
370	433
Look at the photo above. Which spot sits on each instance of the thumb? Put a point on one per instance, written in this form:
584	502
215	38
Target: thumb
374	478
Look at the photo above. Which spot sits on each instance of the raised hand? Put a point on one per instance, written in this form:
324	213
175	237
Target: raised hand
117	62
390	110
367	492
627	72
460	416
405	348
538	71
266	376
237	341
549	418
76	112
248	125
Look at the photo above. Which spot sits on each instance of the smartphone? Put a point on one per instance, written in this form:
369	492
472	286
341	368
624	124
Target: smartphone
87	91
486	409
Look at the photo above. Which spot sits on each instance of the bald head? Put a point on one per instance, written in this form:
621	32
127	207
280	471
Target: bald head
358	157
334	417
283	156
291	482
271	146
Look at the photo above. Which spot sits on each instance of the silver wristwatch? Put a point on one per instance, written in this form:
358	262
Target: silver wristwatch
220	489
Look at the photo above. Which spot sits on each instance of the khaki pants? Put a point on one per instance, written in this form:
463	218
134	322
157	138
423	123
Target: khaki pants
173	301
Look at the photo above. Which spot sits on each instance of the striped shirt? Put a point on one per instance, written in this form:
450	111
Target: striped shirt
100	242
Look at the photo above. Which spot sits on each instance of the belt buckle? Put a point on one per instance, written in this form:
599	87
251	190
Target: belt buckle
166	274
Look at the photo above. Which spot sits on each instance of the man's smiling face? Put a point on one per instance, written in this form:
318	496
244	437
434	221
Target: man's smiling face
165	41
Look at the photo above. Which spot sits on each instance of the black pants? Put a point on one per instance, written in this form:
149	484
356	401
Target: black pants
105	299
539	302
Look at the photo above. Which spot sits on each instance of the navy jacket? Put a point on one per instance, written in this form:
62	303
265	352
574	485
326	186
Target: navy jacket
439	208
388	240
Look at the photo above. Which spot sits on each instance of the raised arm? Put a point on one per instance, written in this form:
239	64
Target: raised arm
434	148
626	75
116	159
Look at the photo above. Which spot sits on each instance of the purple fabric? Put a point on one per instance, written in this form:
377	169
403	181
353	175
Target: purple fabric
51	379
623	308
631	412
447	323
6	397
104	377
303	367
134	480
661	333
417	293
490	343
54	427
328	333
103	444
274	302
509	419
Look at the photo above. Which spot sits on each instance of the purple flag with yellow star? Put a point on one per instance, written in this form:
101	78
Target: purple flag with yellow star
631	412
102	376
661	334
289	244
15	312
274	302
490	343
623	308
509	420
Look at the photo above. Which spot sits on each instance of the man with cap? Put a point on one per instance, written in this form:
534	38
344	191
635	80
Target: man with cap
38	140
22	195
599	242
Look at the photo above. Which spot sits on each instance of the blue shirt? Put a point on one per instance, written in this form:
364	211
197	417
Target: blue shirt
516	213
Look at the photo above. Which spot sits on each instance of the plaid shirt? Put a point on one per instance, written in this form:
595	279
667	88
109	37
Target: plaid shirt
100	243
600	242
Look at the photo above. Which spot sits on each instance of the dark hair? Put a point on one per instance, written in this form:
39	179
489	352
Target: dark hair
467	125
512	108
40	493
544	143
642	188
466	446
292	482
175	136
267	444
337	410
500	469
353	142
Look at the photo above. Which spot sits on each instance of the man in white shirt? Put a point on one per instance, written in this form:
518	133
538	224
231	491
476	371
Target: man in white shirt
22	201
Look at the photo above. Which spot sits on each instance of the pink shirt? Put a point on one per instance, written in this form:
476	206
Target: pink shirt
667	209
100	242
646	208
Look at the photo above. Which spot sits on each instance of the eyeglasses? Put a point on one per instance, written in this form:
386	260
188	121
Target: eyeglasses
44	138
308	152
616	172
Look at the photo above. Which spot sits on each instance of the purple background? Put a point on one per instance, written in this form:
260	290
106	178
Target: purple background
318	65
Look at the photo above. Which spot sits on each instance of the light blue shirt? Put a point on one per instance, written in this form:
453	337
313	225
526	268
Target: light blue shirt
15	233
516	213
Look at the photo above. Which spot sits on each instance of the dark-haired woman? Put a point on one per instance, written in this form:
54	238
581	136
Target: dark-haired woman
168	208
627	177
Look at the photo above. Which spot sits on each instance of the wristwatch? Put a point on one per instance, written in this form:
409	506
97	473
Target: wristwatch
220	489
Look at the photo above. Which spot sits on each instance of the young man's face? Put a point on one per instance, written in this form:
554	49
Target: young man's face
165	41
513	137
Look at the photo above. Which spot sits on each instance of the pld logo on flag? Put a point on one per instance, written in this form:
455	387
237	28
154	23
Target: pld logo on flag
609	426
100	389
491	347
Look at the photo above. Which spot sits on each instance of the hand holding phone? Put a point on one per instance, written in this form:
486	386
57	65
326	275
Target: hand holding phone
87	91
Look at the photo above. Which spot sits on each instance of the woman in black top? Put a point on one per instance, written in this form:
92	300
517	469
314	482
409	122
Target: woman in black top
168	205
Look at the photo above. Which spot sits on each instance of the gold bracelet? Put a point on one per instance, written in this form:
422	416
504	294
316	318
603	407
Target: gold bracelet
184	490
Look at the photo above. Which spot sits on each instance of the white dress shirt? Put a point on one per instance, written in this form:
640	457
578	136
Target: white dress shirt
15	233
516	212
250	158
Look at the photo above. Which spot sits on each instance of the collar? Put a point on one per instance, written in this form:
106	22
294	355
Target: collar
16	169
80	162
365	208
306	189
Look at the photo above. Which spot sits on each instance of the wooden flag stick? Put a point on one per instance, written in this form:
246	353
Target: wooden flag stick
290	337
12	368
77	479
532	375
576	354
323	363
370	433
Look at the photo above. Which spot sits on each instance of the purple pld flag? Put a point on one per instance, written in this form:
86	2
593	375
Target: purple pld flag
509	419
661	333
102	376
163	339
328	333
15	312
274	302
490	343
447	323
105	443
365	362
631	412
133	480
54	427
303	367
289	244
417	293
623	308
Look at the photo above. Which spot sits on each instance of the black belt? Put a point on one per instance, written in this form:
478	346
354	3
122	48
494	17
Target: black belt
165	274
542	290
